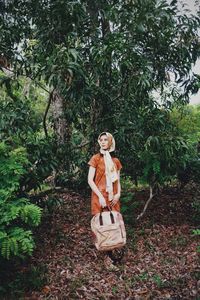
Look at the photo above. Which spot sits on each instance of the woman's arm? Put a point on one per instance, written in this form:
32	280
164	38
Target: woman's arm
119	185
117	196
93	186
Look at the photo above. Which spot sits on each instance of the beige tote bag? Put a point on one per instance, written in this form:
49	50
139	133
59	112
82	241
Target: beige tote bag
108	230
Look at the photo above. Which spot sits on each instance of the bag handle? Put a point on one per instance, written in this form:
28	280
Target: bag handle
111	216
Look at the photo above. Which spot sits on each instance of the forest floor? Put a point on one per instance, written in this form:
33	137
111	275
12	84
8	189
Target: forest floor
161	259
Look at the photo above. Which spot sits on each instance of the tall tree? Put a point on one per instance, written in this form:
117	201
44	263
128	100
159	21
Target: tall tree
104	59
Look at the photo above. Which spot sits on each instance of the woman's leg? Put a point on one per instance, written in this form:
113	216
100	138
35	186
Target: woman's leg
108	262
116	255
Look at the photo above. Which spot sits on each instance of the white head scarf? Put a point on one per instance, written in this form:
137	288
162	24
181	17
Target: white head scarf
110	170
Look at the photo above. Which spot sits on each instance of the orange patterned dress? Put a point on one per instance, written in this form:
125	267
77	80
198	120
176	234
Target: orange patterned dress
97	161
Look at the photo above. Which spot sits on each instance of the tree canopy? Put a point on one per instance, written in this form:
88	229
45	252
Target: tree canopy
72	69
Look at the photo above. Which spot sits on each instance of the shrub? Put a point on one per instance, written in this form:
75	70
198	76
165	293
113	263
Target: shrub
17	214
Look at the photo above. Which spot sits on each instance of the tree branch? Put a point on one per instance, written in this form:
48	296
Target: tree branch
46	112
39	84
82	145
147	203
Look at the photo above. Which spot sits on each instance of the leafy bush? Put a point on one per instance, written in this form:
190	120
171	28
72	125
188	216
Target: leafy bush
127	200
18	117
190	172
22	124
162	157
16	213
43	155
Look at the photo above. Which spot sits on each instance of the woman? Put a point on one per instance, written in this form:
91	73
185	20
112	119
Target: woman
104	180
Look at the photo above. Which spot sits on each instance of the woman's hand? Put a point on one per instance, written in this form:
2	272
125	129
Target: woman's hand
102	201
115	199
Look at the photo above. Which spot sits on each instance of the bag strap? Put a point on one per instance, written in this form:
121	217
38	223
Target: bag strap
111	216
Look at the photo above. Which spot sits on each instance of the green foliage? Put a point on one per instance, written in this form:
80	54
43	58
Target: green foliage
35	278
19	118
158	280
187	118
111	54
52	203
44	157
16	213
127	200
32	279
162	157
196	231
12	163
105	60
21	124
190	171
16	242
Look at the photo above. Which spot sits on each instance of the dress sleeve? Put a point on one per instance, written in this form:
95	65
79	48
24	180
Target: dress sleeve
118	163
93	161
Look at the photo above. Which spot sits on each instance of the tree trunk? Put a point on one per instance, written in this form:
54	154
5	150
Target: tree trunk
98	110
95	116
61	127
136	180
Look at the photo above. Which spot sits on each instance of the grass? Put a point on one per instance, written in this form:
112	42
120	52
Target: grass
158	280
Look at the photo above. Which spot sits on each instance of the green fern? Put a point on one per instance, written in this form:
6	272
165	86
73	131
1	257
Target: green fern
15	240
20	208
3	235
18	242
8	246
31	214
9	213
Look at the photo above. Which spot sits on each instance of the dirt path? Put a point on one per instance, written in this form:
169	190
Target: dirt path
161	260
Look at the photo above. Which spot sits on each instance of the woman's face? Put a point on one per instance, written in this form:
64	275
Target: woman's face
104	142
